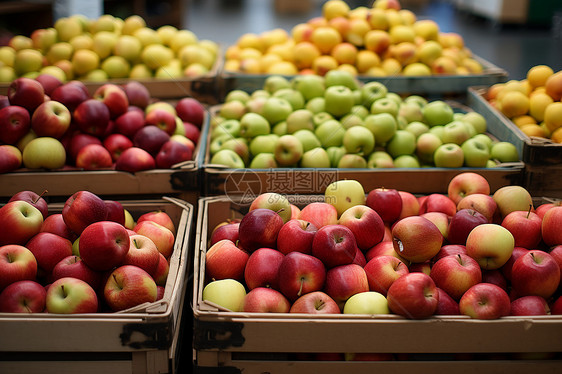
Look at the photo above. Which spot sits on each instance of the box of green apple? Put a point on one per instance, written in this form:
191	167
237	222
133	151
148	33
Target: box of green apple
299	134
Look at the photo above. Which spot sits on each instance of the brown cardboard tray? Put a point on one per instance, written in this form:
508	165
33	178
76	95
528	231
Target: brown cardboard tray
256	341
143	339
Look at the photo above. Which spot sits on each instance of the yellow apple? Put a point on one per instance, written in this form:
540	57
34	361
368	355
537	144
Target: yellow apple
429	51
140	71
345	53
27	60
7	74
335	8
84	61
132	24
7	56
415	69
272	37
55	71
116	67
147	36
156	55
128	47
167	33
66	66
105	22
357	30
19	42
59	51
196	54
366	60
323	64
68	27
103	43
96	75
427	29
250	40
377	19
82	41
538	103
325	38
283	68
181	39
301	32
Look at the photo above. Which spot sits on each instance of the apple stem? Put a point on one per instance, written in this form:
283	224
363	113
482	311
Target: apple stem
40	196
529	211
280	210
300	289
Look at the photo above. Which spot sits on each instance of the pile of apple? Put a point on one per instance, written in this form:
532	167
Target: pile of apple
336	121
91	257
107	48
533	104
382	40
389	252
48	124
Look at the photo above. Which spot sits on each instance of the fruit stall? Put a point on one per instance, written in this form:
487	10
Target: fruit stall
359	193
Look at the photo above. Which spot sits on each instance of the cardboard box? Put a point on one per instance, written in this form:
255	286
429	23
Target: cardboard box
143	339
283	342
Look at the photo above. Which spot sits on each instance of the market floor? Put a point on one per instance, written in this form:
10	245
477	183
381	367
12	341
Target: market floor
514	48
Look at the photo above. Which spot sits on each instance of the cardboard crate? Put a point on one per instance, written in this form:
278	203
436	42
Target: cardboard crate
454	85
143	339
239	342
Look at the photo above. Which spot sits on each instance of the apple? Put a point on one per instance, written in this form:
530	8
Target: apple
162	237
44	152
359	140
455	274
71	94
10	158
344	281
17	263
228	158
137	94
556	307
226	293
439	219
504	152
485	301
437	113
129	123
162	119
23	220
344	194
129	286
365	224
259	228
135	159
142	253
490	245
93	157
438	203
228	230
384	248
73	266
525	228
426	145
225	260
160	217
51	118
319	214
71	295
414	296
446	306
273	201
104	245
92	117
386	202
506	269
190	110
334	245
410	205
462	223
78	140
449	249
382	271
83	208
265	300
496	277
448	155
383	126
296	235
372	91
300	274
529	306
262	268
316	302
172	153
24	296
416	238
160	275
535	273
26	92
116	144
368	302
476	153
114	97
15	122
150	138
49	82
34	199
550	226
482	203
511	198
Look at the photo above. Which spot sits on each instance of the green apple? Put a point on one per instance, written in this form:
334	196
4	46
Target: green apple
275	82
253	124
469	128
476	153
372	91
352	161
344	194
402	143
477	120
276	109
280	128
239	95
300	119
339	100
491	164
369	302
216	143
321	117
232	110
417	128
394	96
437	130
228	158
485	139
315	158
419	100
448	155
411	112
316	105
260	93
357	97
44	152
229	127
504	152
263	144
380	159
307	139
226	293
336	77
437	112
330	133
335	154
309	85
359	140
385	105
455	132
238	145
351	120
294	97
406	161
288	150
360	111
255	105
426	144
383	126
263	161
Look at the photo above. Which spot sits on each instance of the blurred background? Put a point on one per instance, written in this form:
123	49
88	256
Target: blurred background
511	34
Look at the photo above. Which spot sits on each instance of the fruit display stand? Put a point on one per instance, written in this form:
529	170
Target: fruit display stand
143	339
226	341
542	157
453	85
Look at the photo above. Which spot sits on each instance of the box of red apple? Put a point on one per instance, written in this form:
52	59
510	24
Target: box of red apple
360	274
58	136
113	270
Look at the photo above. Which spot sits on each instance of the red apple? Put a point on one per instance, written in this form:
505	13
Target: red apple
382	271
506	269
420	267
55	225
151	139
137	94
160	235
227	231
344	281
114	97
467	183
410	205
77	142
73	266
135	159
413	296
172	153
160	275
315	303
481	203
455	274
382	249
300	274
265	300
49	249
262	268
485	301
15	122
462	224
51	118
556	307
535	273
386	202
115	212
190	110
129	123
359	258
94	157
49	83
416	238
92	117
543	208
34	199
439	219
104	245
259	228
192	132
551	223
525	228
26	92
71	94
20	222
296	235
161	218
334	245
11	158
117	144
16	263
81	209
142	253
162	119
446	306
319	214
496	277
225	260
449	249
529	306
365	224
438	203
71	295
25	296
129	286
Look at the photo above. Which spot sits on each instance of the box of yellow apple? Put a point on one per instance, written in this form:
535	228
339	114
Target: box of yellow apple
170	62
384	42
